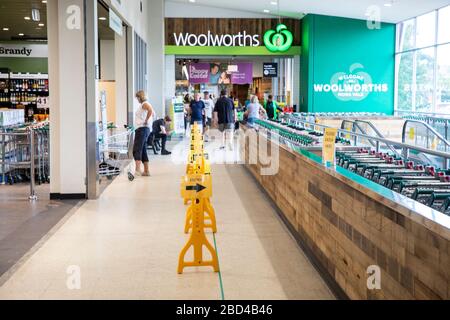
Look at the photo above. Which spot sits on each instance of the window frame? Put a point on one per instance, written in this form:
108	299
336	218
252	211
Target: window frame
414	51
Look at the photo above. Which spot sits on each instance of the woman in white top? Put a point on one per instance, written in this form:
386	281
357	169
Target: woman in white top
143	122
254	109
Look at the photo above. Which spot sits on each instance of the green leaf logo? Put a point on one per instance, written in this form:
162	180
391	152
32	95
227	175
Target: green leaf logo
280	40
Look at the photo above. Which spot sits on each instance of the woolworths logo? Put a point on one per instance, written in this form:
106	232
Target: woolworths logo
280	40
355	85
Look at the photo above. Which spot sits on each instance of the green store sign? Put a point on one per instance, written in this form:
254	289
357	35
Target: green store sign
280	40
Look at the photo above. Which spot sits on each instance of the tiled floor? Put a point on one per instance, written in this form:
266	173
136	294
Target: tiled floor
126	244
23	223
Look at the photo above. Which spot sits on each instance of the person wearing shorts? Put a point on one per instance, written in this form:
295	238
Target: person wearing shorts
225	116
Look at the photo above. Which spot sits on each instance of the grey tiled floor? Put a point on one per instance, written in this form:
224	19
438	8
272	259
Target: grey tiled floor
24	223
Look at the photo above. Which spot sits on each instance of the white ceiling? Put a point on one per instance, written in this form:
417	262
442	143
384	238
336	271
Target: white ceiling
399	11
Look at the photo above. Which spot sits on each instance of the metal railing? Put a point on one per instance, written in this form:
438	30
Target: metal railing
439	121
405	148
355	125
429	129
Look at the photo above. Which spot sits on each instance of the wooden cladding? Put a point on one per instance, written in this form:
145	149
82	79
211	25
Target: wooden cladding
228	26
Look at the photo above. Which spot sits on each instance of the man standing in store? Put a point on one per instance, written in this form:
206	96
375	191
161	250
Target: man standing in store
209	107
197	110
225	116
160	132
272	108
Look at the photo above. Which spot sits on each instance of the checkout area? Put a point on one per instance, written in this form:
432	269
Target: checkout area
379	211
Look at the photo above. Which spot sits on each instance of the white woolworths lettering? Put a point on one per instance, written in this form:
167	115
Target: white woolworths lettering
214	40
73	21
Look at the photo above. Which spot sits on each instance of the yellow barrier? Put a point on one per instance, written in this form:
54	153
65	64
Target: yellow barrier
196	189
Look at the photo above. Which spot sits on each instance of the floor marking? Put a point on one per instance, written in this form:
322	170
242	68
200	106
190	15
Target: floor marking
220	272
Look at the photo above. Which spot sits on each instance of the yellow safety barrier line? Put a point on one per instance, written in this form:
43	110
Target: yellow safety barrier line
196	190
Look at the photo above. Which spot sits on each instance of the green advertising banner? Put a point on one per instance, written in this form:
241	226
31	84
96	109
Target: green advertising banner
348	69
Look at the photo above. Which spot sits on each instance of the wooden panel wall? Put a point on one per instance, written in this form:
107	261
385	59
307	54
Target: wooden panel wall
228	26
347	231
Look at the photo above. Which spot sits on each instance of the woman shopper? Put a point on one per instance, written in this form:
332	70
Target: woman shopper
254	110
143	122
187	118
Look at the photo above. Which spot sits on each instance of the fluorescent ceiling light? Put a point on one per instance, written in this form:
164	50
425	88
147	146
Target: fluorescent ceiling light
192	1
44	1
21	34
102	18
274	3
41	25
266	11
5	29
27	18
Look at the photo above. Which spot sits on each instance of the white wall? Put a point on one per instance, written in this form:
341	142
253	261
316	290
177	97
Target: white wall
120	52
169	84
187	10
107	59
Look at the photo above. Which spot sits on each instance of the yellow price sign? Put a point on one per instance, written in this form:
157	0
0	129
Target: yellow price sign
412	133
329	145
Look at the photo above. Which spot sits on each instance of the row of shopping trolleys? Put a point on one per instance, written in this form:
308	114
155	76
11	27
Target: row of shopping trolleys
425	184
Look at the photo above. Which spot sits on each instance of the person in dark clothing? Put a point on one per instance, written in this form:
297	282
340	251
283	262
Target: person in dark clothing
225	117
197	110
272	108
160	132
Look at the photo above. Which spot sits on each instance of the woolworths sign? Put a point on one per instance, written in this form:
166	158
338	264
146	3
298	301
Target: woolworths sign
278	40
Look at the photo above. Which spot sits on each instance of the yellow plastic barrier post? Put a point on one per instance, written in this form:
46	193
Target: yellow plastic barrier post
198	188
210	215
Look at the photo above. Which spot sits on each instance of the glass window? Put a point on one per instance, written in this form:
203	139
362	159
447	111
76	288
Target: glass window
444	25
405	81
426	30
424	87
423	63
443	79
405	32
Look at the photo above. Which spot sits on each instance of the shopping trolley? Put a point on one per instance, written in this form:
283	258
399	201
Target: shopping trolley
116	152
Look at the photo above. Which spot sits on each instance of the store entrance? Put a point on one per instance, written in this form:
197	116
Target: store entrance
112	93
241	76
24	101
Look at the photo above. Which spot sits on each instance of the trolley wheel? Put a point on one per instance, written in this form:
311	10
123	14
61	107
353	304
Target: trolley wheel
109	177
130	176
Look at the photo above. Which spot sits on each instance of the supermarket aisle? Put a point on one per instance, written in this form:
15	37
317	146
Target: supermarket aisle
126	244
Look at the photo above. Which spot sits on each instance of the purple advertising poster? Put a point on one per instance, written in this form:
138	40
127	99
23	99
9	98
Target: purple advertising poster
241	73
199	73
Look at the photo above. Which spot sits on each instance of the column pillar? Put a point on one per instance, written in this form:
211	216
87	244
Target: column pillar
156	63
70	99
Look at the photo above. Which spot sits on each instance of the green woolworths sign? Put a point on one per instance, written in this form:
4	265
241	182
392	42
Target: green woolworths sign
280	40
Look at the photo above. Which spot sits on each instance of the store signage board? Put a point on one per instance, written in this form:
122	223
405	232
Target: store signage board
115	23
214	74
278	40
329	147
178	116
270	69
43	102
23	51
